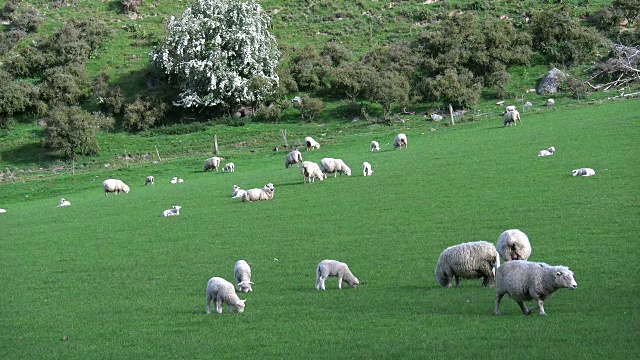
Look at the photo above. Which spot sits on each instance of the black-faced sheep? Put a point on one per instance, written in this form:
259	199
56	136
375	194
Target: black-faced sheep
115	186
327	268
472	260
221	292
513	245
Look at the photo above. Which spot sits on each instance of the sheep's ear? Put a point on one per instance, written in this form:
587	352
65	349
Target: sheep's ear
243	301
559	273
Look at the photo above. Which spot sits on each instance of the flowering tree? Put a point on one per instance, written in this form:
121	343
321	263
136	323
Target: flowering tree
220	52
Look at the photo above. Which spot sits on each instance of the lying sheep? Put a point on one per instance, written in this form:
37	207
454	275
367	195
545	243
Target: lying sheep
583	172
242	274
294	157
311	144
375	146
401	140
221	292
366	169
64	202
174	211
114	186
229	167
311	171
513	245
237	192
266	193
212	163
337	269
2	211
512	117
547	152
470	260
150	180
176	180
524	281
334	166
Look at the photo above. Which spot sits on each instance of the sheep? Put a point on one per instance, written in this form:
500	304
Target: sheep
510	108
150	180
375	146
221	292
311	144
334	166
524	280
550	102
547	152
294	157
512	116
311	171
114	186
237	192
174	211
266	193
366	169
583	172
513	245
229	167
242	274
470	260
327	268
2	211
401	140
64	202
212	163
176	180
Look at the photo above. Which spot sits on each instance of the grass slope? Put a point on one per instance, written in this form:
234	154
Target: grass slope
121	282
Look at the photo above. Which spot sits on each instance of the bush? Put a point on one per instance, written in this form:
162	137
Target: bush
71	130
9	39
310	108
26	20
578	88
110	100
309	69
144	112
271	113
131	6
65	85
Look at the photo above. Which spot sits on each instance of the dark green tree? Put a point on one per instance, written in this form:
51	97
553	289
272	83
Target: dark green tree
71	130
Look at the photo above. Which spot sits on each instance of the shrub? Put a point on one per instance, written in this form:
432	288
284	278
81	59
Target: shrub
71	130
26	20
131	6
309	69
110	100
271	113
65	85
387	88
310	107
144	112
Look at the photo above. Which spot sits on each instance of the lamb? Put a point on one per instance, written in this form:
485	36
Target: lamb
221	292
470	260
229	167
266	193
513	245
150	180
337	269
311	144
294	157
401	140
547	152
237	192
176	180
311	171
114	186
583	172
375	146
524	281
212	163
64	202
334	166
242	274
512	116
366	169
2	211
174	211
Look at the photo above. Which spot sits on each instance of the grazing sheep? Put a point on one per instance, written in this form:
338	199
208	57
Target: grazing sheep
366	169
327	268
470	260
294	157
583	172
242	274
212	163
114	186
511	116
229	167
237	192
401	140
266	193
311	171
334	166
2	211
174	211
64	202
221	292
547	152
375	146
524	281
513	245
311	144
150	180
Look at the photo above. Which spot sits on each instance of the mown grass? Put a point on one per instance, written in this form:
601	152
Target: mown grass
119	281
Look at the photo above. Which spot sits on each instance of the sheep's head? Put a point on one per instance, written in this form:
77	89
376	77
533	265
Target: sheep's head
564	278
245	286
236	187
126	189
240	306
347	170
269	187
552	149
354	283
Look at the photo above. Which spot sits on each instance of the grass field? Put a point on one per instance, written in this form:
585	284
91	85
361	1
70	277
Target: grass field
117	281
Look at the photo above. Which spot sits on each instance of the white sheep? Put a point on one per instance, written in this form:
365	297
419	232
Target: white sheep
174	211
334	166
512	116
400	141
327	268
221	292
212	163
311	144
375	146
242	274
513	245
294	157
366	169
470	260
583	172
524	281
547	152
2	211
176	180
150	180
237	192
311	171
64	202
510	108
229	167
550	102
266	193
114	186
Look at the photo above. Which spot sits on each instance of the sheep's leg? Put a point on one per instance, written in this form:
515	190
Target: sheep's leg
209	304
541	306
322	279
340	281
457	280
496	309
523	307
230	309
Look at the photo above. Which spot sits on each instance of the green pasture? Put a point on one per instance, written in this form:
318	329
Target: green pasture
116	281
